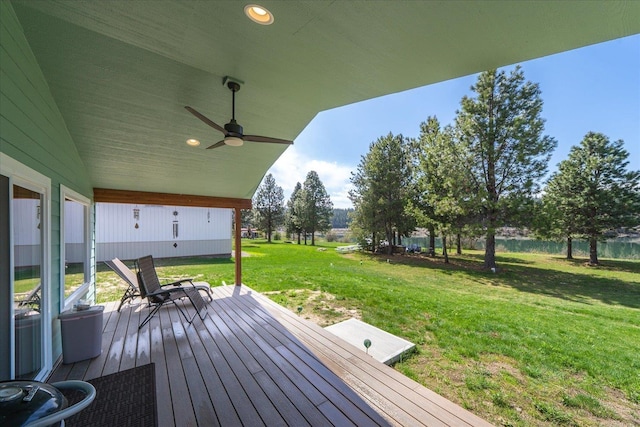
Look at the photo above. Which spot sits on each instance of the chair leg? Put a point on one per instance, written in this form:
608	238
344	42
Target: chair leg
129	294
208	290
150	315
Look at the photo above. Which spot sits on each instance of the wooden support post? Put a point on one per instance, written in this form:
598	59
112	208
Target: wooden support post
238	236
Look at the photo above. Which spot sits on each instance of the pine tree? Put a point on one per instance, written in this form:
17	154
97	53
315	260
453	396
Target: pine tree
382	185
593	192
315	208
442	180
268	206
293	222
502	130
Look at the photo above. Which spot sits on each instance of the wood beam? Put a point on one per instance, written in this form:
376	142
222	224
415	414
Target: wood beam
147	198
238	253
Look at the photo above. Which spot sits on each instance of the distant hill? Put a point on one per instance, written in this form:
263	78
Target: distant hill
341	218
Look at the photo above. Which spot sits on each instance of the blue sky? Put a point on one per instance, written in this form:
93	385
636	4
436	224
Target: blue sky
595	88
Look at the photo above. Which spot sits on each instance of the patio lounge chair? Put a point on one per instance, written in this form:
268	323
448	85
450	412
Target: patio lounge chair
32	300
131	279
158	295
128	276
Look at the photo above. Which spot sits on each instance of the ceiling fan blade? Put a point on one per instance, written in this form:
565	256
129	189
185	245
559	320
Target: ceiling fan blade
258	138
205	119
216	145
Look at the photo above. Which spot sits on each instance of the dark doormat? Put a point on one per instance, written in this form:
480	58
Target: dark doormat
126	398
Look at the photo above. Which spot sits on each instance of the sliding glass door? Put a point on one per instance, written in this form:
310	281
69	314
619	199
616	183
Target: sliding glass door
25	272
27	214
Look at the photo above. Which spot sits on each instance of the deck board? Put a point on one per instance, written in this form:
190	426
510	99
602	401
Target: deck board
252	362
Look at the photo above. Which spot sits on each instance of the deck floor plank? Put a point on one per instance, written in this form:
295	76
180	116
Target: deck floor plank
131	339
200	400
114	356
252	362
309	367
221	402
287	397
222	406
157	356
267	411
182	407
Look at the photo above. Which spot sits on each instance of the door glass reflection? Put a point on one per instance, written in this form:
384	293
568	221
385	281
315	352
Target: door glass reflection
27	286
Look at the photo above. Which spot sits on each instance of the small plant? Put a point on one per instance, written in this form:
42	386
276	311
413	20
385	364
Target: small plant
588	403
553	414
533	371
477	382
500	399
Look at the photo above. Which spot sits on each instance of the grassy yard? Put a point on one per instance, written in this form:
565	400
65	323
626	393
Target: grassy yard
545	341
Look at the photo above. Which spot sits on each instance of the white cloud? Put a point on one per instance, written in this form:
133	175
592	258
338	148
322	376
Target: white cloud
293	167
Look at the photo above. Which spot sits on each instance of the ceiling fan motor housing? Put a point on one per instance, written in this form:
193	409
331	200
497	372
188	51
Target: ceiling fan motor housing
233	129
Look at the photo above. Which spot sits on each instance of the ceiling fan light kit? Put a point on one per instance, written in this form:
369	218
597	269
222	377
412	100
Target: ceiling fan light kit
232	131
233	141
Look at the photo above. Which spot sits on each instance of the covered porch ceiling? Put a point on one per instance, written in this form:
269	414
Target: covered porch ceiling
122	72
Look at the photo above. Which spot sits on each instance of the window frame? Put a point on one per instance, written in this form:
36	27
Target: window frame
23	176
67	303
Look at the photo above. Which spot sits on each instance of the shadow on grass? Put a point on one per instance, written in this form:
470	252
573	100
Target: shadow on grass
500	258
575	287
608	264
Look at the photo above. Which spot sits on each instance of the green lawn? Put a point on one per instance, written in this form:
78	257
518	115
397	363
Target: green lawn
544	341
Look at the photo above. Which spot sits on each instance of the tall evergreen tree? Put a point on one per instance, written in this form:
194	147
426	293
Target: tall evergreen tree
593	192
381	189
293	222
268	206
549	220
502	130
246	215
315	207
442	180
366	218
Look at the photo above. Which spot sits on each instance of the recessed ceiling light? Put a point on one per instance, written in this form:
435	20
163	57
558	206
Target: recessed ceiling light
258	14
193	142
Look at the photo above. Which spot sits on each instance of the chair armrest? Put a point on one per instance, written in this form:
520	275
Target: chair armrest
179	282
165	291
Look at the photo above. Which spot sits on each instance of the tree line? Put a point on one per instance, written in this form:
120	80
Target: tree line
308	211
484	171
341	218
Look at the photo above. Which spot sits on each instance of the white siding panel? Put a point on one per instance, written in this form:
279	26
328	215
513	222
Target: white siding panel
134	250
200	231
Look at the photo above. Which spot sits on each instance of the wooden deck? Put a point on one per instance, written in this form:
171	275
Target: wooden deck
252	362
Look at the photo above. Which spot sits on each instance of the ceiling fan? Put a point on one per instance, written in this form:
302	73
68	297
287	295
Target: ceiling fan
232	131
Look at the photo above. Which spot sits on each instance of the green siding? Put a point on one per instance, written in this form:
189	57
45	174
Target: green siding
33	131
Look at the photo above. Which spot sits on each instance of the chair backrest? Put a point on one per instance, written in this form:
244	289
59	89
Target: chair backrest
123	271
149	283
32	299
148	278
